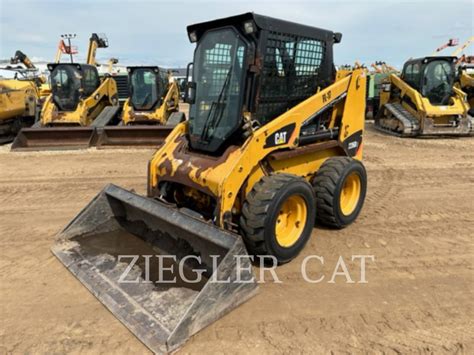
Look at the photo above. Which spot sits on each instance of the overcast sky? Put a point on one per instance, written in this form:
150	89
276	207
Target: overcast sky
154	32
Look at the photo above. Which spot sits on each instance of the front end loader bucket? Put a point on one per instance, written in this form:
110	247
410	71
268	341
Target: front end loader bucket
133	136
54	138
113	246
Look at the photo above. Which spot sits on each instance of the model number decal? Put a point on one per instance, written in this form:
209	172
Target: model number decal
327	96
353	145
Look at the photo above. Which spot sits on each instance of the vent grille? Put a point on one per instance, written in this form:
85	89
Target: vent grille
122	86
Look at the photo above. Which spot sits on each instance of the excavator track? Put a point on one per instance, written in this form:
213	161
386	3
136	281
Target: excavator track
401	123
10	128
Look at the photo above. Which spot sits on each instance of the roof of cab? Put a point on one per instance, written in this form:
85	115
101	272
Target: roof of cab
266	23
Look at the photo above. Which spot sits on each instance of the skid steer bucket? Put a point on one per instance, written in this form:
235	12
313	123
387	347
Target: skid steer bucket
134	136
114	247
54	138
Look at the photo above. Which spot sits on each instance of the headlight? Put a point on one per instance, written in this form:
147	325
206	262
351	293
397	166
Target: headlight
193	37
249	27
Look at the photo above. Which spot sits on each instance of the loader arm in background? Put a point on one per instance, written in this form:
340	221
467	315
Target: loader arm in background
466	80
171	100
21	57
96	41
466	87
40	80
225	180
466	84
463	46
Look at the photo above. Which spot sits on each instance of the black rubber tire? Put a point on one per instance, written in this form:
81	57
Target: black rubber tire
261	209
328	183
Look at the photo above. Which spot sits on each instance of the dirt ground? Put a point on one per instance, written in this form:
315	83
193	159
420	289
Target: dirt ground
417	222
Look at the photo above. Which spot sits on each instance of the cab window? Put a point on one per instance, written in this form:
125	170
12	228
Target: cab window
91	81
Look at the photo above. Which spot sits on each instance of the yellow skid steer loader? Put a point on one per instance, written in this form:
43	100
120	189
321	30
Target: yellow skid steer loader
273	144
149	113
80	103
424	101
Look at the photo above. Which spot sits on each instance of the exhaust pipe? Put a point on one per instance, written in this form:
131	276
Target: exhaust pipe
114	247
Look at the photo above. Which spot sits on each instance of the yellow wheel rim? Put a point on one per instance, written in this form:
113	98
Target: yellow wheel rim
350	194
291	221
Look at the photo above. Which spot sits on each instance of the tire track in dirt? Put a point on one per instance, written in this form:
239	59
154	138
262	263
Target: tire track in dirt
416	221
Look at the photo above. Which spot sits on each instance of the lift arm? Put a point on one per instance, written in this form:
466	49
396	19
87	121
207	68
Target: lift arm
96	41
21	57
462	47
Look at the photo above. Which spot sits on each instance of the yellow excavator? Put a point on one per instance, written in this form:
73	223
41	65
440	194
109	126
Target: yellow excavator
40	80
21	97
149	113
18	104
424	100
80	102
273	144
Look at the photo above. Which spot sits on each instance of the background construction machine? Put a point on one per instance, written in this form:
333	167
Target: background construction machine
466	74
377	75
21	97
272	137
153	97
18	104
40	80
79	102
466	84
150	111
424	100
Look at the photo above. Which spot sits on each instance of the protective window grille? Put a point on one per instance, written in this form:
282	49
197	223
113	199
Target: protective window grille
290	74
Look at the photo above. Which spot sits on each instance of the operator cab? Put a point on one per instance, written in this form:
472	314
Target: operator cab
71	83
433	77
147	87
253	65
